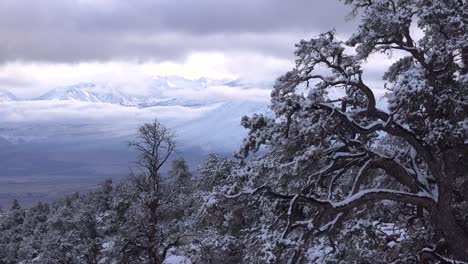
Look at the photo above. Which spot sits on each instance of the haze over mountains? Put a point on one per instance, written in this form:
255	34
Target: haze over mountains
107	93
173	98
6	96
77	135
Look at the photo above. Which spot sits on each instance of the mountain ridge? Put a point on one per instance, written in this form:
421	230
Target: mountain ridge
162	91
102	110
7	96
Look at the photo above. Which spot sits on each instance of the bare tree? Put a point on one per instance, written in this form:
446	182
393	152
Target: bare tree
155	144
150	232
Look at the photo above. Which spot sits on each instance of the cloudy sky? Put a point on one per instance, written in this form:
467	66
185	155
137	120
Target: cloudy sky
51	43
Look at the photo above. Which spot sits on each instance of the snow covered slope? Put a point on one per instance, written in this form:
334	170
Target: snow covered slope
6	96
219	130
160	91
90	92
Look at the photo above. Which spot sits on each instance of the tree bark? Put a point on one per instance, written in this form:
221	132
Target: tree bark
446	224
465	60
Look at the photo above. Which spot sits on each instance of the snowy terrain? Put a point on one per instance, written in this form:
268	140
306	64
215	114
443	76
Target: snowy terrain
6	96
77	135
196	109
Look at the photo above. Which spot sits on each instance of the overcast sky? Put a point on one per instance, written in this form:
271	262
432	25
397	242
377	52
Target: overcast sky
50	43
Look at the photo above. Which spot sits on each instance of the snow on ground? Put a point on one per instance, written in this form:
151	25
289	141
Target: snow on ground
173	259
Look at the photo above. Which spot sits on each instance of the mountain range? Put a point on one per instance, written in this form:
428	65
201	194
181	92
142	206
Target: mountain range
91	118
168	97
77	135
162	91
90	92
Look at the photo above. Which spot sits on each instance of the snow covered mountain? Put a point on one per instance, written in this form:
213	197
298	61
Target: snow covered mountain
161	91
81	131
90	92
204	112
6	96
177	82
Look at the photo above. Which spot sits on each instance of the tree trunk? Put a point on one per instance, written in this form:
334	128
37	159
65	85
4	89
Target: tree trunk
445	223
465	60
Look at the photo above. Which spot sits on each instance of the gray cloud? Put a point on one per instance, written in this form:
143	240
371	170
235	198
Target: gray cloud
18	81
104	30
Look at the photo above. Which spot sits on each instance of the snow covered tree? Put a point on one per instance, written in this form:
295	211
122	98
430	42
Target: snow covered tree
183	190
15	205
324	167
11	235
34	231
217	222
103	196
214	172
180	173
62	241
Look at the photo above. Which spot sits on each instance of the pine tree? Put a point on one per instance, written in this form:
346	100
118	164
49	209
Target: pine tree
323	169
